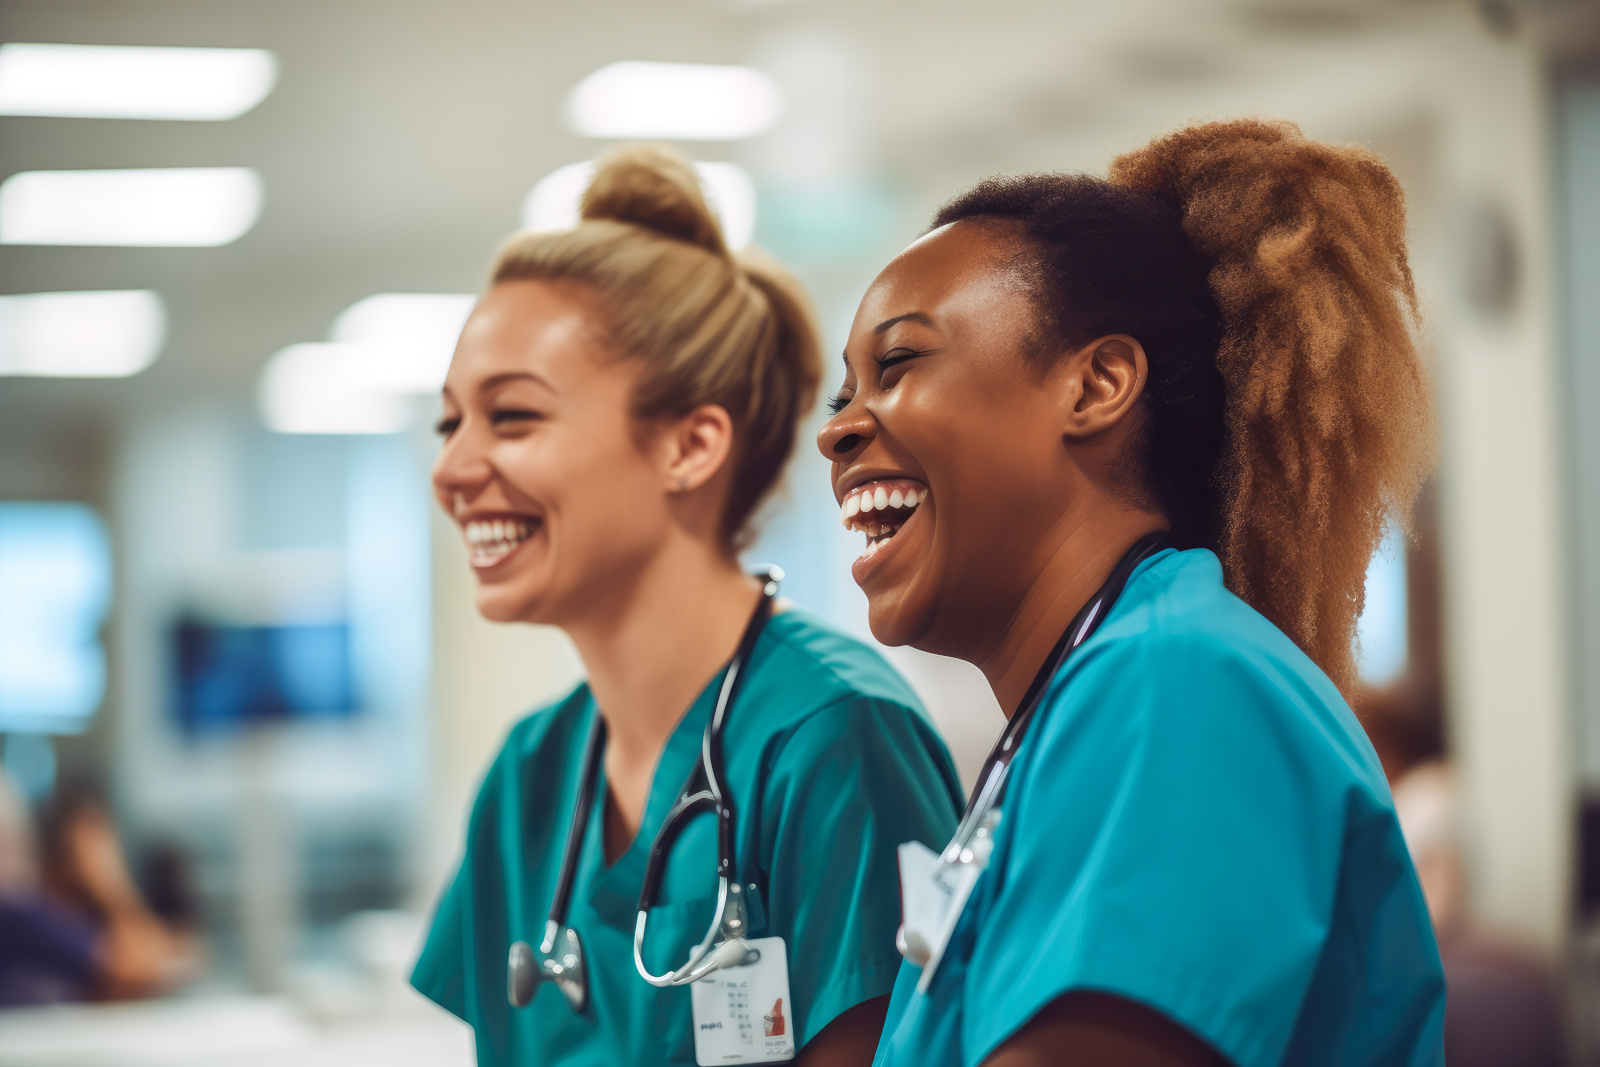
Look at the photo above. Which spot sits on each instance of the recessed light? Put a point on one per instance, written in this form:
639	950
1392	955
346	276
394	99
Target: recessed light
95	81
111	334
327	388
552	204
179	207
414	335
680	101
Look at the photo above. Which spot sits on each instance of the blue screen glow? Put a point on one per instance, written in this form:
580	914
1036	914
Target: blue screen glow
55	589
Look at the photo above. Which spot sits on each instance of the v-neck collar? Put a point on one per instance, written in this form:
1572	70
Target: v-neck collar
614	892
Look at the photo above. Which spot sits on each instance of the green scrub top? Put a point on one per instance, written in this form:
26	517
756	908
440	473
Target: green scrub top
831	764
1196	822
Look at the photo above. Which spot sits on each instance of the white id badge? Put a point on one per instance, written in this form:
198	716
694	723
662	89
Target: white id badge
743	1014
932	895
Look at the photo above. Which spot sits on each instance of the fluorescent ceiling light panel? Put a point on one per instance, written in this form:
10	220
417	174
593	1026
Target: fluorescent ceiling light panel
178	207
97	82
110	334
552	204
326	388
732	193
680	101
410	337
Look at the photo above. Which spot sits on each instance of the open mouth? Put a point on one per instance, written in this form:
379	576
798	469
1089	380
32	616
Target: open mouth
880	508
490	541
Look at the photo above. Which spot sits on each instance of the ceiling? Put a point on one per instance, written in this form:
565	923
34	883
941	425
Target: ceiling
402	136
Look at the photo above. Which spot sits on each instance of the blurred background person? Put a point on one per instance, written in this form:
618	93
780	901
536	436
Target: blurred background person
75	927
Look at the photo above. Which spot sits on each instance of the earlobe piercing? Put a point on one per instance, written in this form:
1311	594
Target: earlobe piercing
683	484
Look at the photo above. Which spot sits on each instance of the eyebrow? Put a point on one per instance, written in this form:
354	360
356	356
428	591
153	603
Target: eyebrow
914	316
515	375
886	324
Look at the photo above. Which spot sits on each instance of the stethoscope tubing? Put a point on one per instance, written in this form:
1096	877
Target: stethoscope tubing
705	789
593	750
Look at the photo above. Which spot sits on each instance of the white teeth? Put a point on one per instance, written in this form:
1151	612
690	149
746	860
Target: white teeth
491	539
859	504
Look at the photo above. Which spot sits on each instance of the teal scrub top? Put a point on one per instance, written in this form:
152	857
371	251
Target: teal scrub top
1196	822
830	765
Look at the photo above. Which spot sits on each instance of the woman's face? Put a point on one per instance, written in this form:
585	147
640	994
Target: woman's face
544	470
942	418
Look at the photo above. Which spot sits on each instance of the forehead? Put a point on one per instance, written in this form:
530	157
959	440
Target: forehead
956	268
526	324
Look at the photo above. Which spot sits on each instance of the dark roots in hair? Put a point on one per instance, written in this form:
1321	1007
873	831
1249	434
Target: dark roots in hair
1266	277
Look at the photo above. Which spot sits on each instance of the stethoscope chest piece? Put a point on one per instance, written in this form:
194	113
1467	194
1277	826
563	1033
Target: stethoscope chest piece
559	960
522	975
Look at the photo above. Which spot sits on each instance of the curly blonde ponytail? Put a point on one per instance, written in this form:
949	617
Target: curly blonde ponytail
712	327
1328	425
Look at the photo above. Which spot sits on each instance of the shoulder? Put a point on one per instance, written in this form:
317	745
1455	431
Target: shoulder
1180	656
541	726
809	665
544	735
825	695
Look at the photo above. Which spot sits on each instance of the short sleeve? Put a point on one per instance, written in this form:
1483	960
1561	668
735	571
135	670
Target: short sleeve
440	970
845	788
1171	838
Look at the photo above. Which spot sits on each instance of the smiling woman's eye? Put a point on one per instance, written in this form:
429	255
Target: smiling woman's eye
503	416
447	425
838	402
896	356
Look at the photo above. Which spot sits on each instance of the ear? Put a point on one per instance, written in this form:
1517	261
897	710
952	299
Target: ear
1103	381
697	447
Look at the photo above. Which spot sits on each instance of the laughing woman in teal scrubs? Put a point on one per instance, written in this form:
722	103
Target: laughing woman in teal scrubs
1128	446
623	397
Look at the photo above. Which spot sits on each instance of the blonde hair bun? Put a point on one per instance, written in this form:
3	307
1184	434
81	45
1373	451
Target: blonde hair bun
657	188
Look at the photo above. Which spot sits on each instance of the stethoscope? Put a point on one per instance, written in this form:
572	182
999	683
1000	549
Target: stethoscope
560	958
974	837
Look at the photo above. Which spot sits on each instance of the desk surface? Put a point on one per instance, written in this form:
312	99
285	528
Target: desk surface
229	1031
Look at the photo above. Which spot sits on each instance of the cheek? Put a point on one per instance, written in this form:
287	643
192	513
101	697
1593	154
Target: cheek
600	491
991	456
974	437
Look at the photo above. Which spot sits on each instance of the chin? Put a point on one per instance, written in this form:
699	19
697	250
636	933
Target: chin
895	618
502	605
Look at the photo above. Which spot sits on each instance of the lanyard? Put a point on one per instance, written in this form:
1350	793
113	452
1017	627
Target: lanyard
990	791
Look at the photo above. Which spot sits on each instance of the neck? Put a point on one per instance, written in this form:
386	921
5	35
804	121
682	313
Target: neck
649	652
1078	564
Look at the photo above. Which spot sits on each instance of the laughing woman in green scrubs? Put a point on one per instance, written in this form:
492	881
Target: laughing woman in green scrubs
623	397
1128	446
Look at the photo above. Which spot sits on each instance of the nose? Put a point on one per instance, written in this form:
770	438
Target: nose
843	437
461	471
